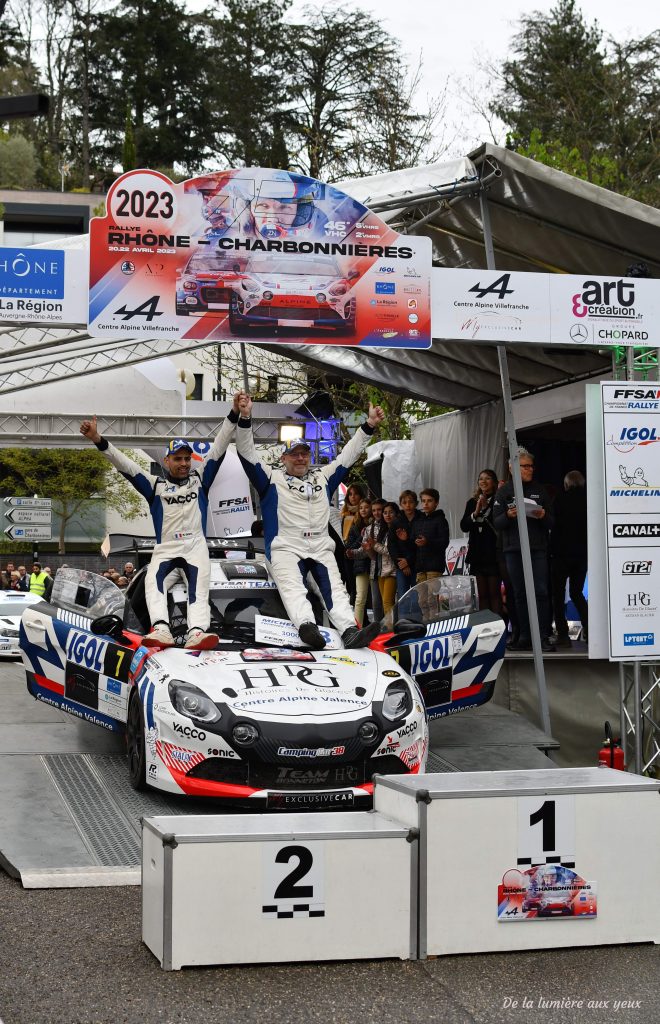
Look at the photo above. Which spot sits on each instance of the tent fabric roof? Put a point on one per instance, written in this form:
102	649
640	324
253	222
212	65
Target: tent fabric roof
542	220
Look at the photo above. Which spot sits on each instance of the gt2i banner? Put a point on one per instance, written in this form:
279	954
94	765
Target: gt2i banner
43	286
560	309
631	433
257	255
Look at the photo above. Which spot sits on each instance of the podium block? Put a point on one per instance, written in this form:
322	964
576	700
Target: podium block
257	888
531	859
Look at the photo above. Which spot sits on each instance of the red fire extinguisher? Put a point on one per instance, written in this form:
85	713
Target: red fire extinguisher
611	752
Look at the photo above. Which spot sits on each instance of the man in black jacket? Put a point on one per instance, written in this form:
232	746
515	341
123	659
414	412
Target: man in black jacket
430	535
569	553
539	522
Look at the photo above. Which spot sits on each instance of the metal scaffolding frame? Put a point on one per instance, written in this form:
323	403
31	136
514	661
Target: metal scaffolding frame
640	715
60	430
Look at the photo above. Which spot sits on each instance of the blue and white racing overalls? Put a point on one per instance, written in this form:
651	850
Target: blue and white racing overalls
178	510
295	513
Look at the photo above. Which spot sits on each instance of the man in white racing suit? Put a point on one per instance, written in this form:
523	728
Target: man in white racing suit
178	506
295	507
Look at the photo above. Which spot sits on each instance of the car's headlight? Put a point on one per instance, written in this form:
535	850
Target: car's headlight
397	701
7	633
188	700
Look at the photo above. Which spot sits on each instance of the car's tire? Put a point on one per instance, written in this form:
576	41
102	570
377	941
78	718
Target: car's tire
182	311
135	745
237	328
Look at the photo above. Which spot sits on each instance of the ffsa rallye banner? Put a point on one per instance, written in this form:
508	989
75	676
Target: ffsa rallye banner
254	255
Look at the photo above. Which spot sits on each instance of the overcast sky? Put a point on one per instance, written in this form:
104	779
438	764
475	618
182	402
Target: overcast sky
454	37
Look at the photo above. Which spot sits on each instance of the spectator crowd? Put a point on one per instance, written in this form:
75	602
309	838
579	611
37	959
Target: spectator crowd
383	548
389	547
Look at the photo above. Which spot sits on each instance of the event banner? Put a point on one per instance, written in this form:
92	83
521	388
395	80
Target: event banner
43	286
254	255
631	432
558	309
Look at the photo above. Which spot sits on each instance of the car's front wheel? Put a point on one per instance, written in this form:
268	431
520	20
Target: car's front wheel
135	745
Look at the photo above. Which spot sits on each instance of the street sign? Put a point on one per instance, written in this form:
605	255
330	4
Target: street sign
29	532
29	502
29	516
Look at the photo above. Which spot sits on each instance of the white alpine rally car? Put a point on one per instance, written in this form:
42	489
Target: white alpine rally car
258	721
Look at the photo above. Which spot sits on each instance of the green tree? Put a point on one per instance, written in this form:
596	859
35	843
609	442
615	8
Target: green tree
71	478
388	132
339	53
148	55
249	67
18	162
585	105
129	155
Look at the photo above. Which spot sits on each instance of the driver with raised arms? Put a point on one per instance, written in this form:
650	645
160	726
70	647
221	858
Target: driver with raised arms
178	506
295	507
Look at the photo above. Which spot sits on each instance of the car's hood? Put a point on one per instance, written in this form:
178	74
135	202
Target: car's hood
258	684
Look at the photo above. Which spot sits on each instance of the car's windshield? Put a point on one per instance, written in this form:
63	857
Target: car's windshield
308	268
213	262
435	600
233	610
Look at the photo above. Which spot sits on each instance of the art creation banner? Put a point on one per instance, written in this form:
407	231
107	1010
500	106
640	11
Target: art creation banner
557	309
46	286
254	255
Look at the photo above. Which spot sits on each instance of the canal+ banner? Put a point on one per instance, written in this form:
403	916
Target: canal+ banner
254	255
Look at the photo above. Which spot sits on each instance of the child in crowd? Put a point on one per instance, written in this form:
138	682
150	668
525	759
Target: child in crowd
369	535
359	558
401	546
386	568
430	535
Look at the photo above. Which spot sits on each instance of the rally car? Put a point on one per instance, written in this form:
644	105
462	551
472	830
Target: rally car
294	292
12	604
206	282
258	720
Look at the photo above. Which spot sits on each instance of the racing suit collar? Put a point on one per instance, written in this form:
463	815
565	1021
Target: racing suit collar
180	480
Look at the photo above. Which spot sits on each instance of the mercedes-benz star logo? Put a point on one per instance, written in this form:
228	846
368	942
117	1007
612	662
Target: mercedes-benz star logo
579	332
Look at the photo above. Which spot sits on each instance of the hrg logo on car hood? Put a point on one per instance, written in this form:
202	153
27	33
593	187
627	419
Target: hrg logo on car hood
332	683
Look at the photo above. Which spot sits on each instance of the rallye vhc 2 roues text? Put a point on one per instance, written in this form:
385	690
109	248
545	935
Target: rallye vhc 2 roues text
254	721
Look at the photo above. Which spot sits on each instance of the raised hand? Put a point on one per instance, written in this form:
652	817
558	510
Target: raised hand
88	430
376	415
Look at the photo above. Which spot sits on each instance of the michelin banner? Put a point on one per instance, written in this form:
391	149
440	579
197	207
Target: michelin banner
254	255
631	431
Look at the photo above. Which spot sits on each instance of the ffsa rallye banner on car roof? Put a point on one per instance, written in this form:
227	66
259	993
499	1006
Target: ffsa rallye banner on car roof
255	255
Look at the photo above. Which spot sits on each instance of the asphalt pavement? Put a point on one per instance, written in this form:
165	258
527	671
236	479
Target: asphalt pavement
75	956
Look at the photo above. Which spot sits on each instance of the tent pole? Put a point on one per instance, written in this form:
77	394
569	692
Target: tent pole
518	491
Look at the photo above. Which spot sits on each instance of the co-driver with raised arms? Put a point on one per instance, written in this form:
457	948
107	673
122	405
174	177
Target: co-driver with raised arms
295	507
178	506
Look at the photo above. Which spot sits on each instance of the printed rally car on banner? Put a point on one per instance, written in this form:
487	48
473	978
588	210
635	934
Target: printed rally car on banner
257	720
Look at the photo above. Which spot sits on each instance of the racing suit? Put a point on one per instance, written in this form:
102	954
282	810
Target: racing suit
178	510
295	512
